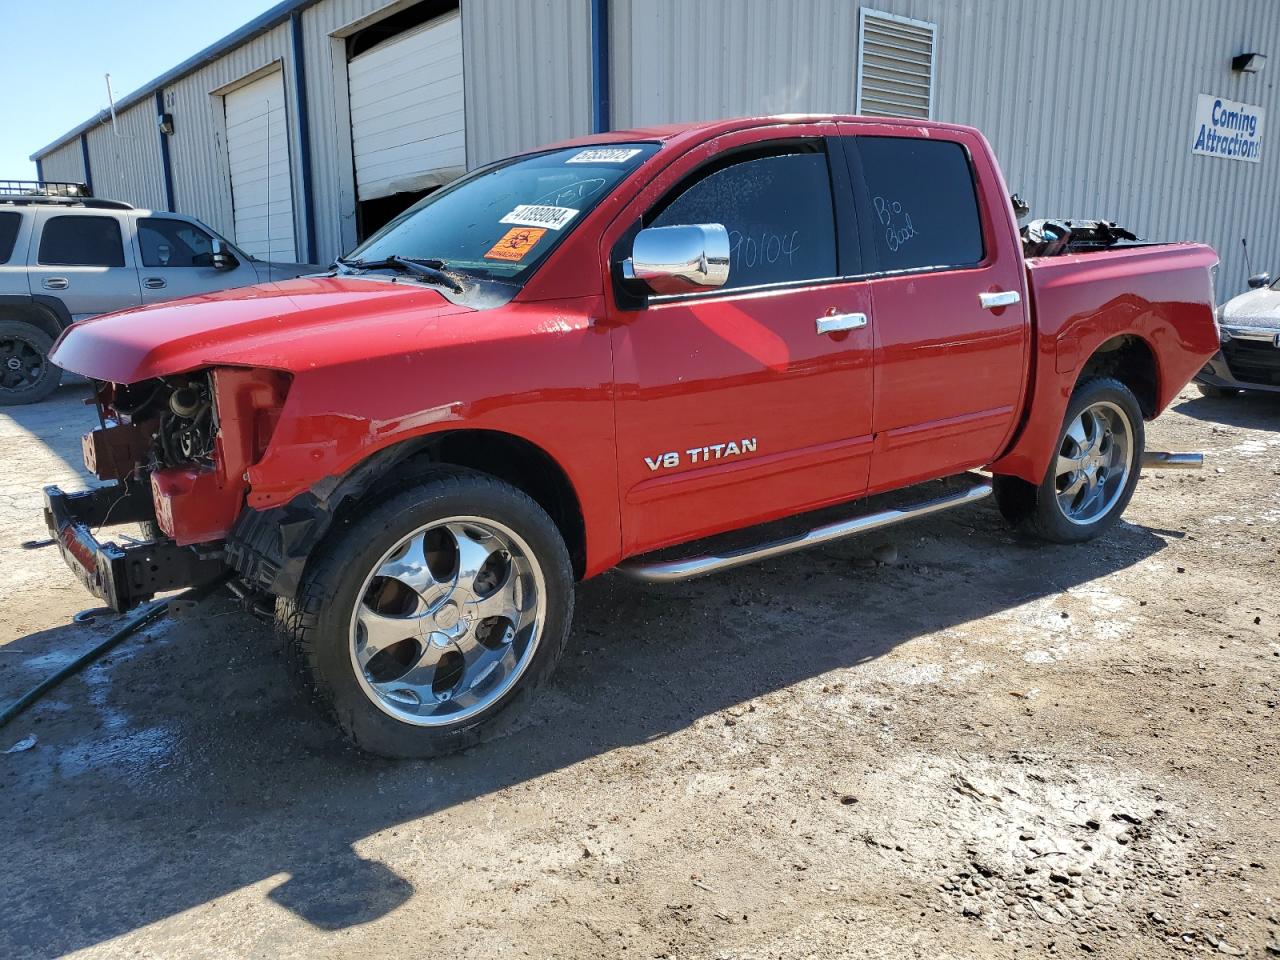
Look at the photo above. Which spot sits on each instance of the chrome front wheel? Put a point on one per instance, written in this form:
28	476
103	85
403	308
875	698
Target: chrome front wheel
448	621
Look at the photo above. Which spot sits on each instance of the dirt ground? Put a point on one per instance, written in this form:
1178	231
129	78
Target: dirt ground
985	748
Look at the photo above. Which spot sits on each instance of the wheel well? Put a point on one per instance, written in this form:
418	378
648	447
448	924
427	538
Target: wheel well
1131	361
38	317
513	460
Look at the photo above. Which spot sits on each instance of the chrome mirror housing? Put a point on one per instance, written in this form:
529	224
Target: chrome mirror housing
1259	280
681	259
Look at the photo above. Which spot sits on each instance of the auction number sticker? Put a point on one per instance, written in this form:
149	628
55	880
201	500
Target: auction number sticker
604	155
515	243
540	215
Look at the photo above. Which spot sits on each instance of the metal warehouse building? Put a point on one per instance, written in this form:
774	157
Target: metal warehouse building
307	128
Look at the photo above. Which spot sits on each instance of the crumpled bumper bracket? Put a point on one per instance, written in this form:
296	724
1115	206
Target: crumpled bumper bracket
122	576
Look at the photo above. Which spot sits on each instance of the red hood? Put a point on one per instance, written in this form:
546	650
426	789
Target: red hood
284	326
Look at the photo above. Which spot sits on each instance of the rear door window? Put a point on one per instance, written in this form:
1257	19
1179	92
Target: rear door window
778	212
82	241
921	203
9	223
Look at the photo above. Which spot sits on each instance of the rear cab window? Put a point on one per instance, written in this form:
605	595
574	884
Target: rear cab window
81	241
920	203
10	222
776	204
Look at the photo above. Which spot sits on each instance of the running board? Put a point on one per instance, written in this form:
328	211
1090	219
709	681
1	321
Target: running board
672	571
1155	460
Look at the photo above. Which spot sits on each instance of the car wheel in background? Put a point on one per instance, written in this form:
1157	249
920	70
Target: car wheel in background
26	374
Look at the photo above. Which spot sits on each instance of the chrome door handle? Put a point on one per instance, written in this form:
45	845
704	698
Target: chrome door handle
1002	298
839	322
55	283
153	283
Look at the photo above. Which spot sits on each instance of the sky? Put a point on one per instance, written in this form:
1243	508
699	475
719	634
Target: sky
56	52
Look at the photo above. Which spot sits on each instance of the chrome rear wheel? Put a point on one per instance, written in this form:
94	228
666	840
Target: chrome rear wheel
1095	460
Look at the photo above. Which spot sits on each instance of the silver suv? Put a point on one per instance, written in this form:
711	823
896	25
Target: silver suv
64	259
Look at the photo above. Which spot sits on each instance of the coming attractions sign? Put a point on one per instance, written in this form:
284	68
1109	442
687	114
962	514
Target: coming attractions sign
1225	128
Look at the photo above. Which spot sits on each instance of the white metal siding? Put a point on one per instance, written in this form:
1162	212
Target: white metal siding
258	160
65	163
406	111
201	180
895	66
125	161
528	74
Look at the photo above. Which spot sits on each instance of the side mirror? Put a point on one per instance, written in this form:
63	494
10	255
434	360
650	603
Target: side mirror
223	259
679	259
1259	280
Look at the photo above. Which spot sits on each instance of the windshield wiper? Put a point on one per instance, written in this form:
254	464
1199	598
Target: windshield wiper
430	270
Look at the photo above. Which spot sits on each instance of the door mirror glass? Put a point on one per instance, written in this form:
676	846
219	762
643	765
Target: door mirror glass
223	259
1259	280
681	259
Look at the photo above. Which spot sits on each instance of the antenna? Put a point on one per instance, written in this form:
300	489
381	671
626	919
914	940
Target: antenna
112	100
1247	265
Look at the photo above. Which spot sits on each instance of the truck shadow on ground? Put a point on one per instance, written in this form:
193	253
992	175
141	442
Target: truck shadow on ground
183	769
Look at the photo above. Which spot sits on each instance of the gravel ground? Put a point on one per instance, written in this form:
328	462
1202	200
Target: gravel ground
982	747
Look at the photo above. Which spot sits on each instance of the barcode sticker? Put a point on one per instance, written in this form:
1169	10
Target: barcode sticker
539	215
604	155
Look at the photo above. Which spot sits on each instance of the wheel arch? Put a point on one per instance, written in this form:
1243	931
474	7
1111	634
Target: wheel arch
271	547
1130	359
37	312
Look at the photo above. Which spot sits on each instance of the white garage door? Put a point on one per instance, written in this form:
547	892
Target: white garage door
258	154
406	111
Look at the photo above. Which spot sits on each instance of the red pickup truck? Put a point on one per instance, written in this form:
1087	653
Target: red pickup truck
624	352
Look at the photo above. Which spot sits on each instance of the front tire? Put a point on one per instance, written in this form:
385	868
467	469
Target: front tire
26	374
1096	464
425	622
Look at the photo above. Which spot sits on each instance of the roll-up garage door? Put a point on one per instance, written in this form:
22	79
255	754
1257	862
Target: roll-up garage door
258	154
406	111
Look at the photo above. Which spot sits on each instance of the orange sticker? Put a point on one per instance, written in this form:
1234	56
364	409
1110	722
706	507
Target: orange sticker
515	243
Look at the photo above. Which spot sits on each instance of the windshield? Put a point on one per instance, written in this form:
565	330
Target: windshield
502	221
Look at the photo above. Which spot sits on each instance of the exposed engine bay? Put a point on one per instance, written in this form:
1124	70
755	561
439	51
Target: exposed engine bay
177	412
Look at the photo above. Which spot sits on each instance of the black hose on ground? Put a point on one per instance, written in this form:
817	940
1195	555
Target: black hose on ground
140	618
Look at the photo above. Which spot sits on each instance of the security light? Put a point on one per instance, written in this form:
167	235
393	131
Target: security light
1249	62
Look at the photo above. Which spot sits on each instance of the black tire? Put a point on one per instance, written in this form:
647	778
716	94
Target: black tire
1216	393
1046	517
26	375
316	626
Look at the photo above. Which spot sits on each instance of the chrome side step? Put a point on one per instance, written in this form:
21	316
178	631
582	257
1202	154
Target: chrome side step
672	571
1156	460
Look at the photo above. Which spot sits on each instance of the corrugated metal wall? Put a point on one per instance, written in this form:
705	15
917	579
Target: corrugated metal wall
66	163
126	160
197	148
1089	104
527	74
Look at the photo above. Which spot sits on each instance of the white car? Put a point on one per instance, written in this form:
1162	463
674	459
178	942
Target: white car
64	259
1250	354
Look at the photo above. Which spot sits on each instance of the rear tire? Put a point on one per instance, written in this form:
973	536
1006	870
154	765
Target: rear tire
1216	393
424	623
1096	464
26	374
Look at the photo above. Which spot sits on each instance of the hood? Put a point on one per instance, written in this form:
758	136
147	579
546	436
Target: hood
1257	308
283	326
272	271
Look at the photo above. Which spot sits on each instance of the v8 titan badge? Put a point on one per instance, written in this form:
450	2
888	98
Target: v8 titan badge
515	243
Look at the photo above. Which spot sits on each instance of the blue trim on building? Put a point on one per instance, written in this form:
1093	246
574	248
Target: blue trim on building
600	106
304	134
39	170
259	25
88	171
165	162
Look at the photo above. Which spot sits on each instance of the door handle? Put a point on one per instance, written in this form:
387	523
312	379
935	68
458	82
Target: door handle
1001	298
153	283
839	322
55	283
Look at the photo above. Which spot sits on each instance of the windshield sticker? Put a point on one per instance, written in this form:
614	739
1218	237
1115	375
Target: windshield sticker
604	155
515	243
540	215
